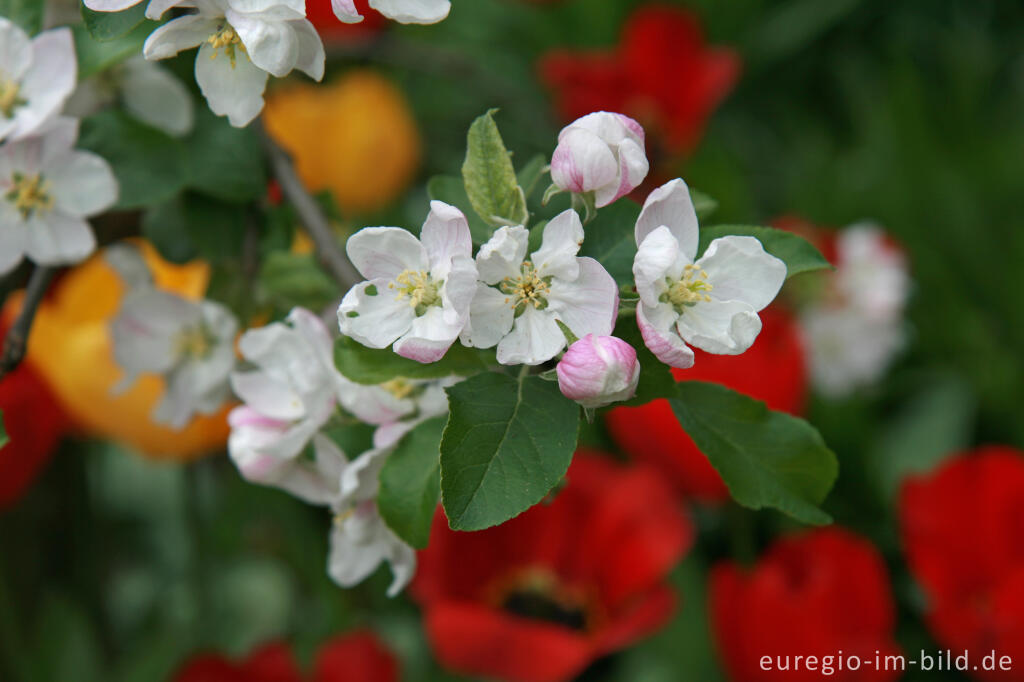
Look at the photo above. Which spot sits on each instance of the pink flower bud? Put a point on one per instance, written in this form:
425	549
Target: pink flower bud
598	370
601	153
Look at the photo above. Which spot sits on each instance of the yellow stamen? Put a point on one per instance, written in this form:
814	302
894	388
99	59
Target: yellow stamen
30	195
527	289
421	290
10	97
690	289
195	342
226	38
400	388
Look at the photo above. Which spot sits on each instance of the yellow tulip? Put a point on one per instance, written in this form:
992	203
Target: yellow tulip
355	137
70	345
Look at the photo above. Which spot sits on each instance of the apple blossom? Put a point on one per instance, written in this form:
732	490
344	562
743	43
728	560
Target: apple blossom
148	92
240	42
602	153
598	370
519	302
711	303
404	11
47	189
190	343
871	273
154	10
418	291
36	77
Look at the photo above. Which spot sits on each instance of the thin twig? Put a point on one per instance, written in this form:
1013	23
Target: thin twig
16	342
312	216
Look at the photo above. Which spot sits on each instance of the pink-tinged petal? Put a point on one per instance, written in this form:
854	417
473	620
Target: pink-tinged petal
413	11
445	235
655	325
386	252
598	370
633	168
670	205
655	259
346	11
589	304
720	327
739	269
561	241
372	315
583	162
429	337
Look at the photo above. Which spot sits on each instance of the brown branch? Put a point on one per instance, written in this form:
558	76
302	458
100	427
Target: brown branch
312	216
16	342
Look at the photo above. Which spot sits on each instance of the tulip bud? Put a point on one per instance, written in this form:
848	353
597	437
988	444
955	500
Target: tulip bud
598	370
601	153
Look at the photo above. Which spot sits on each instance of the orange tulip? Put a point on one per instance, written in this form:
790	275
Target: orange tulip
355	137
71	347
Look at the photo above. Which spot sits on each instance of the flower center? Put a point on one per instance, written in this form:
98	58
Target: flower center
417	286
10	97
689	289
529	288
400	388
196	342
226	38
30	195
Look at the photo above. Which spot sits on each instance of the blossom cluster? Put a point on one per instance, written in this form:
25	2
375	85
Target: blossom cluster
47	187
244	42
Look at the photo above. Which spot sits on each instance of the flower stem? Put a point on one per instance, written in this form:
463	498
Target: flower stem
16	343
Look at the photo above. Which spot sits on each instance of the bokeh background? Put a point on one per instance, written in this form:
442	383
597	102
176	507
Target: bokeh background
126	549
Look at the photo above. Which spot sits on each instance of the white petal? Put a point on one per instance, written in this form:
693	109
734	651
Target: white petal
721	327
155	9
311	50
413	11
110	5
83	184
145	330
561	241
346	11
613	128
655	259
154	96
281	10
179	34
49	81
583	162
657	328
271	45
235	91
267	395
445	235
429	337
315	333
358	546
386	252
739	269
12	237
670	205
503	254
535	338
128	263
490	318
374	319
15	50
633	167
56	238
458	291
589	304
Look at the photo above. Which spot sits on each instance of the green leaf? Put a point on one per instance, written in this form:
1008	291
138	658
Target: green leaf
703	204
508	442
766	458
410	483
796	252
490	179
610	239
164	226
66	644
106	26
296	279
94	56
375	366
25	13
530	174
192	224
451	190
223	161
148	164
4	439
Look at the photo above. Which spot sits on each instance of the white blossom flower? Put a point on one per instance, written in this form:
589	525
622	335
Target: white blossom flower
154	10
240	42
598	370
418	291
190	343
519	302
602	153
36	78
423	400
711	303
855	330
47	190
148	92
404	11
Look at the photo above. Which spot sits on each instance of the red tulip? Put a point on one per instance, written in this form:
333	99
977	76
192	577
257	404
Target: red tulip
963	534
34	422
661	74
321	15
538	598
773	370
823	593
